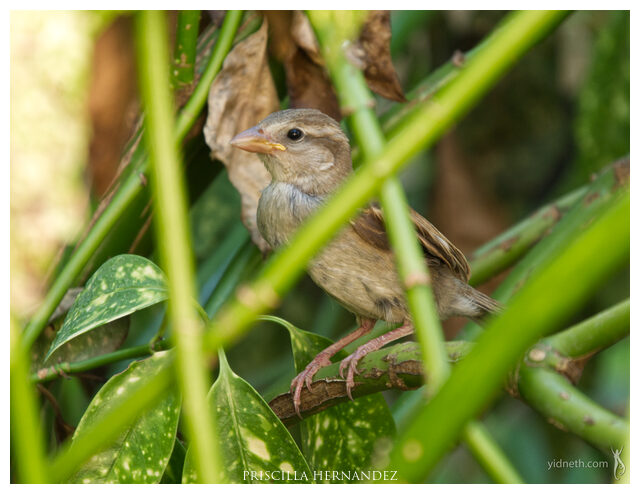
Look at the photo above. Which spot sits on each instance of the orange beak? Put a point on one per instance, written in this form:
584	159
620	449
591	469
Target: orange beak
254	140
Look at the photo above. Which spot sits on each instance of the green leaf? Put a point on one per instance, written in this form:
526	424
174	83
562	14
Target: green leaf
344	438
85	346
120	286
253	440
142	451
173	472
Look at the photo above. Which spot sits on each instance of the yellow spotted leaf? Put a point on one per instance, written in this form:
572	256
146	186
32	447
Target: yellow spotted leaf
121	286
348	437
141	453
256	448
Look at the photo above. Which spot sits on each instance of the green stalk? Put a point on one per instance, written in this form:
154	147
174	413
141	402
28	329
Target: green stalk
354	94
174	242
99	435
521	31
184	55
65	368
609	185
593	334
394	367
569	409
574	342
549	297
27	438
129	189
488	453
190	112
507	248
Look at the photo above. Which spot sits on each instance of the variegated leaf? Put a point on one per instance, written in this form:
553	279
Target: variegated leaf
256	447
142	451
344	438
122	285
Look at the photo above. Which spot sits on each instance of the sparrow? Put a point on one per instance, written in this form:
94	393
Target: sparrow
308	157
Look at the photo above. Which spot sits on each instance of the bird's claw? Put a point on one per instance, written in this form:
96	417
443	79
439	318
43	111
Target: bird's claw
305	378
350	362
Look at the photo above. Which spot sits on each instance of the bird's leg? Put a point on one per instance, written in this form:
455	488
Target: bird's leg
323	359
371	346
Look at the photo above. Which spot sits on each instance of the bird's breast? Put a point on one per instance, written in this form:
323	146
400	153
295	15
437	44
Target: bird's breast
281	210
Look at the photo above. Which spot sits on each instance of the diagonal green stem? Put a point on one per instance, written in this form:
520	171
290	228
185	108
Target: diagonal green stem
539	307
487	451
174	242
27	438
129	189
419	130
64	368
569	409
354	94
610	184
507	248
184	54
597	332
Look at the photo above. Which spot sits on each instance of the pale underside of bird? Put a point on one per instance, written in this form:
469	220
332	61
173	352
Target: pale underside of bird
308	157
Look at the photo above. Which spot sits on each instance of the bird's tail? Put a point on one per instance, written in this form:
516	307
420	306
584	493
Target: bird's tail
482	305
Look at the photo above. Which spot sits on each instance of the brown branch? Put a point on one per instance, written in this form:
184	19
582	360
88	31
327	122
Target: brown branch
396	367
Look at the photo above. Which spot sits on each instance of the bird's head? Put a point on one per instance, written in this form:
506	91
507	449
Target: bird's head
302	147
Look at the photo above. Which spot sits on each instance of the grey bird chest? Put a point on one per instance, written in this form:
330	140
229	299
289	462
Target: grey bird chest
361	277
281	210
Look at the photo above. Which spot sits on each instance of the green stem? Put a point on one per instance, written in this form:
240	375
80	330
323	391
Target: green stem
354	94
488	453
144	394
549	297
552	358
398	366
129	189
508	248
27	438
608	186
593	334
64	368
569	409
421	129
184	55
194	106
174	242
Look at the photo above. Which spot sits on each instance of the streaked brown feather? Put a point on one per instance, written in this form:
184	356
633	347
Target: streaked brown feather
369	225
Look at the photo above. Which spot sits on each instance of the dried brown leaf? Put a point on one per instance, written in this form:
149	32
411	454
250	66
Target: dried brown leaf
309	86
371	53
304	36
293	43
373	50
242	94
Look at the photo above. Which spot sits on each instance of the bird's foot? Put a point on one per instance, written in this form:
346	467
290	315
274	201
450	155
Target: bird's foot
351	364
305	378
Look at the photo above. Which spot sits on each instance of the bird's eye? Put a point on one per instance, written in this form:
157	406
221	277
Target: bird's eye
294	134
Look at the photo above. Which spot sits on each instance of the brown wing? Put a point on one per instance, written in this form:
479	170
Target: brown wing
370	227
